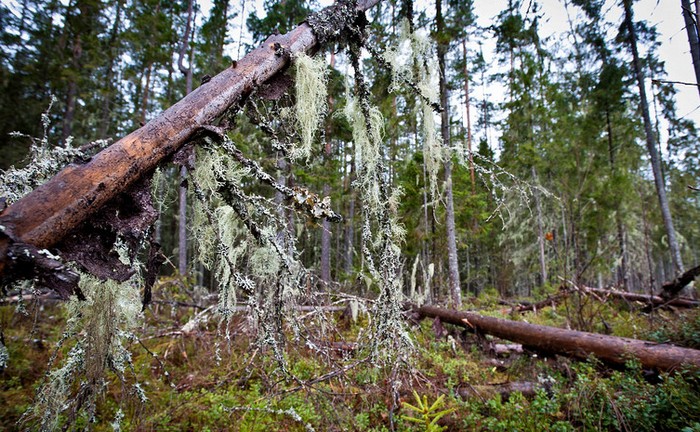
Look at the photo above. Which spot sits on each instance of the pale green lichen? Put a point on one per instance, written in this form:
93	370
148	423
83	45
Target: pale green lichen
412	60
311	93
367	142
100	323
4	356
212	168
381	231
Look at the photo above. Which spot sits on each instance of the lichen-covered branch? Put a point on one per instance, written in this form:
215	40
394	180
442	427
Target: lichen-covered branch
61	205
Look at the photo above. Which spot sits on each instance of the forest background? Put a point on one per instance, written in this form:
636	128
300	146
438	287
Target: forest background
568	121
535	173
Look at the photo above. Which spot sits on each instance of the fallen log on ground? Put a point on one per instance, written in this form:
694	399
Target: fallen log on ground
602	294
644	298
615	350
48	214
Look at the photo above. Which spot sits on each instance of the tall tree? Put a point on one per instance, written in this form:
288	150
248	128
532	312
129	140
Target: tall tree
692	28
185	51
453	264
651	139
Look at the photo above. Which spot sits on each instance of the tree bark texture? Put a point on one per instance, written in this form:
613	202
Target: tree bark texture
651	142
182	195
50	212
451	231
691	27
615	350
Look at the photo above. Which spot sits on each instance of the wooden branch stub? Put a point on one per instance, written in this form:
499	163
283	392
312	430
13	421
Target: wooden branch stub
672	288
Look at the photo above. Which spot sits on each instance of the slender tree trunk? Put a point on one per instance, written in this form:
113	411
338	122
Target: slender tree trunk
109	79
72	93
182	205
146	93
467	109
326	225
453	265
691	27
651	143
540	232
622	273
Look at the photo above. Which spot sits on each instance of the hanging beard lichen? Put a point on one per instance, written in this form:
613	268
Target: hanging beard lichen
311	94
381	231
100	323
249	255
412	63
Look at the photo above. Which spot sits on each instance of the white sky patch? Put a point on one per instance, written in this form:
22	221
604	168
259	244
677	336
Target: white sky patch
665	15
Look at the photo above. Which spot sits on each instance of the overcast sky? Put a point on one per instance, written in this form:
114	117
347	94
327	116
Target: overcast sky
665	14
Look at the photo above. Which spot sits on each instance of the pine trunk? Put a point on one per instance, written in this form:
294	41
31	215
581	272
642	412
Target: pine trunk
451	232
691	27
651	142
182	195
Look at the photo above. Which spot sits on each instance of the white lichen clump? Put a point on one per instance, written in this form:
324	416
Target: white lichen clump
382	233
311	94
99	324
412	60
44	162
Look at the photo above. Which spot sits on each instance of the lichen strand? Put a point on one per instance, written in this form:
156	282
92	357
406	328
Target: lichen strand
253	257
381	231
412	63
100	324
311	94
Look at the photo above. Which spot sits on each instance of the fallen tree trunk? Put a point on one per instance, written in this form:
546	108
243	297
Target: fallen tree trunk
616	350
645	298
602	294
45	216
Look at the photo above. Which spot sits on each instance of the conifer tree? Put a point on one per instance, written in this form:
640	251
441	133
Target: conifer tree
631	35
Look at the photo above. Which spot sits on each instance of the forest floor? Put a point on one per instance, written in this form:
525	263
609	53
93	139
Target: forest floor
487	384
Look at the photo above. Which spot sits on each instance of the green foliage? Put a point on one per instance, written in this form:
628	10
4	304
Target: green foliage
626	399
427	414
683	331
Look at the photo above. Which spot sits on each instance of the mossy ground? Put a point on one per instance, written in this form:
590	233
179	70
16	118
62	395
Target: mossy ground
245	390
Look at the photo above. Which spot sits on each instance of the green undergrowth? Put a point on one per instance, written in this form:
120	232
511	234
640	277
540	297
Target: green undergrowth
189	389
